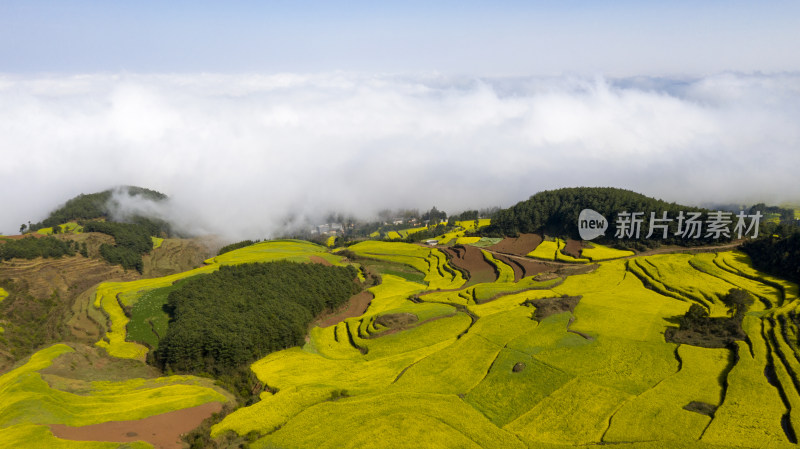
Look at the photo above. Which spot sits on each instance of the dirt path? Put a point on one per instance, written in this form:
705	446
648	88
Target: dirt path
162	431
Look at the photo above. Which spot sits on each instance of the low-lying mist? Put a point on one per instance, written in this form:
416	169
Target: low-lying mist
251	156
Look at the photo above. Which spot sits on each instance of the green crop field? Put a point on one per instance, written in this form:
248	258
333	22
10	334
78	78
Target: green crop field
66	228
432	262
599	374
148	321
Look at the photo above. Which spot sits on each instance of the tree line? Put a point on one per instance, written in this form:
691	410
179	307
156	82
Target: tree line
778	253
555	213
90	206
131	242
235	246
227	319
32	247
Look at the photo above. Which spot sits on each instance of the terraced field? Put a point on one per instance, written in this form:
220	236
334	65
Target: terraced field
419	361
448	358
31	401
555	250
111	297
66	228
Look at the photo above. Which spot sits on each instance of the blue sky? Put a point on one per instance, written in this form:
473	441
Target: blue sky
619	38
304	107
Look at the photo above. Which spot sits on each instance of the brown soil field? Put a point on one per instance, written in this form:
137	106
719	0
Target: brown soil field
175	256
522	267
519	246
550	306
471	260
73	371
573	248
355	306
67	274
162	431
317	259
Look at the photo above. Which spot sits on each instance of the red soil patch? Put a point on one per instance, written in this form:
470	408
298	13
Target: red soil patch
355	306
317	259
573	248
162	431
471	260
519	246
522	267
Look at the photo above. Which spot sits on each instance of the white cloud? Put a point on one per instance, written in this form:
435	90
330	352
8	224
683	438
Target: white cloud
238	153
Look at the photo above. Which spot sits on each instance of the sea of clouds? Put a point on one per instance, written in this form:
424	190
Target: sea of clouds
245	156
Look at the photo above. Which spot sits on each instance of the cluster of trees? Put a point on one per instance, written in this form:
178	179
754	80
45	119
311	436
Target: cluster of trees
32	247
468	215
555	213
227	319
132	241
786	215
91	206
777	255
698	329
237	245
431	232
434	215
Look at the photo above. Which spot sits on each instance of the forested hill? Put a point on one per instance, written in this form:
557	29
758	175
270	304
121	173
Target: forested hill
132	238
775	254
92	206
555	212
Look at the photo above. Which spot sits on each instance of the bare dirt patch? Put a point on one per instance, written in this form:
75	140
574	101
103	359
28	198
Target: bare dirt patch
393	320
519	246
702	408
355	306
66	274
470	259
522	267
573	248
162	431
551	306
89	363
317	259
175	256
